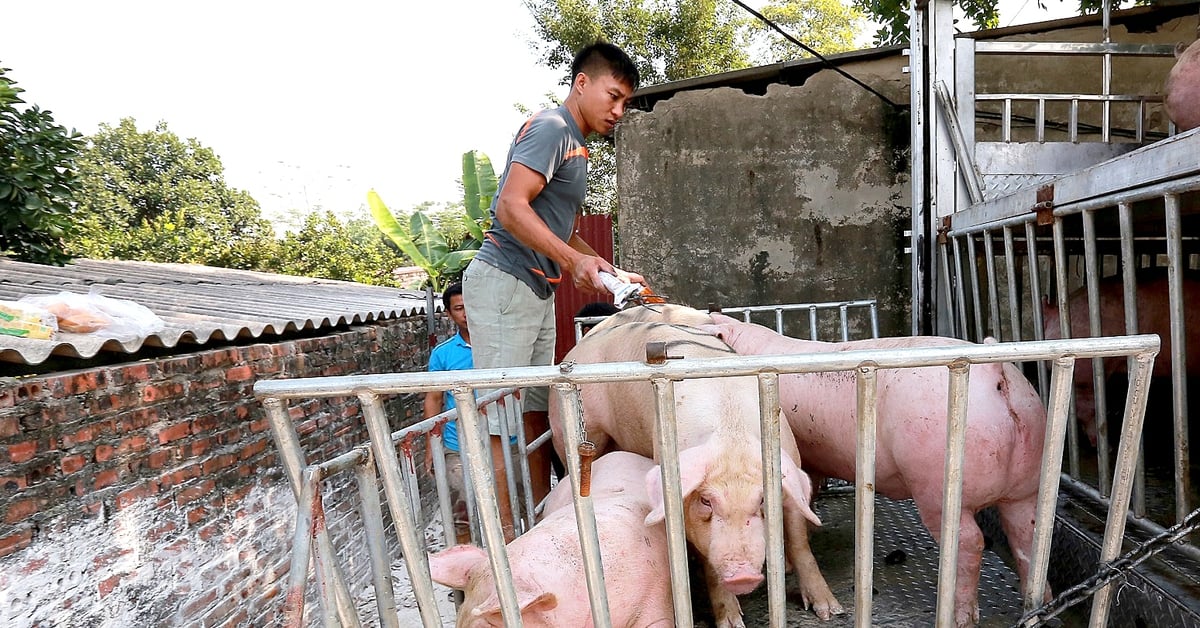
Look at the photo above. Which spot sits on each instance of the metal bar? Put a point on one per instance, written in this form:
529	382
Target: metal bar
571	411
768	405
779	319
874	321
812	323
919	221
864	496
959	290
1073	123
291	454
1127	452
1014	298
1129	281
1064	331
956	438
377	549
845	324
1006	134
1106	78
966	165
1091	274
1035	293
506	452
1061	379
1041	120
1140	125
437	453
989	253
393	485
668	448
1146	525
1035	96
512	407
293	605
477	456
976	305
1179	400
1073	48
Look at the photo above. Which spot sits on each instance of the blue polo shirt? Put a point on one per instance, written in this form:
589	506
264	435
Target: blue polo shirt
451	355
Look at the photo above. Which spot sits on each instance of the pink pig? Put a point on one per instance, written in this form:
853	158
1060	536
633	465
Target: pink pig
1154	317
1181	94
719	460
548	569
1005	431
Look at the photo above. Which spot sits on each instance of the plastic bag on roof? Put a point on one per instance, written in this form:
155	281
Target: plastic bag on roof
94	313
26	321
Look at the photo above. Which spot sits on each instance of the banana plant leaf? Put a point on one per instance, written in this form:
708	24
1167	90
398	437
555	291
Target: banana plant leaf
479	188
457	260
394	230
427	239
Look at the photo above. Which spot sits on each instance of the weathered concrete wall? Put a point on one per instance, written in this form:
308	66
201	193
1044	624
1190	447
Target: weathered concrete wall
148	493
800	195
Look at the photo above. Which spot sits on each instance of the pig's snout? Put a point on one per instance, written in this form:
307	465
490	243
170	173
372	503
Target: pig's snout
742	580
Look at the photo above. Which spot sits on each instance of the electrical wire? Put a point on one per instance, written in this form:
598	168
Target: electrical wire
818	55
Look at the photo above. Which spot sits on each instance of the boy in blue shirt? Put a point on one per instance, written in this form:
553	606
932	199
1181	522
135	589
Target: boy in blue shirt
454	354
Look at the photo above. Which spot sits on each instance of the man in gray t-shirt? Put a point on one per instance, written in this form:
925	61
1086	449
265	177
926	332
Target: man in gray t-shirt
532	245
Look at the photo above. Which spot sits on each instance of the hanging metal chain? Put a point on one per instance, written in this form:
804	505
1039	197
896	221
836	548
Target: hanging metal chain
1112	571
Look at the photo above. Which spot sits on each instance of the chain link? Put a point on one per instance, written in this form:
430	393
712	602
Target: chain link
1109	572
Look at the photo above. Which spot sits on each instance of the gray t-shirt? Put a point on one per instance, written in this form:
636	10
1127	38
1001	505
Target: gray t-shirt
551	144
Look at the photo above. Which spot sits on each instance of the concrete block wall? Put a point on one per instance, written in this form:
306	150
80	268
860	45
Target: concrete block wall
148	493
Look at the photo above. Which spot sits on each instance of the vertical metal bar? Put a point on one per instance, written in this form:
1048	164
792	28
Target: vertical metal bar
779	320
1179	400
1129	279
919	223
1041	120
864	496
1106	127
768	405
959	289
874	320
812	322
1035	292
1061	378
1064	331
845	323
293	605
989	253
1074	121
746	316
976	301
408	471
506	452
1093	297
438	452
377	550
668	448
571	411
944	257
393	485
1127	452
1014	299
956	437
287	441
1007	121
511	406
1139	126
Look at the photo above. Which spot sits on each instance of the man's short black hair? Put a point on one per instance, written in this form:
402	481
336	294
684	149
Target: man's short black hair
601	58
451	290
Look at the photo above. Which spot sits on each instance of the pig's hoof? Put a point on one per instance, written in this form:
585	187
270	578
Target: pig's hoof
731	622
966	617
822	603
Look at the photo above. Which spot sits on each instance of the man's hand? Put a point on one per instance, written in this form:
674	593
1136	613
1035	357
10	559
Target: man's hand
585	272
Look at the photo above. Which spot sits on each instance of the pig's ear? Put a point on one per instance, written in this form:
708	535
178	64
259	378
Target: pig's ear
529	598
693	465
797	488
712	330
1179	48
452	567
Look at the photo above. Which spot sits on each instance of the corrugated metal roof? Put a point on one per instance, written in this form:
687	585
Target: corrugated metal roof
199	304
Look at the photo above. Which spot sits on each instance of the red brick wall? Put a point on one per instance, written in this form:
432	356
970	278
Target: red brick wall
148	493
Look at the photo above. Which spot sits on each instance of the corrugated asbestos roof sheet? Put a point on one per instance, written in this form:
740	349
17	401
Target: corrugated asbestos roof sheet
199	304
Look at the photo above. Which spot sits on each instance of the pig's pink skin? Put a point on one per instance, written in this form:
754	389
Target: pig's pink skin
1181	94
720	460
548	568
1005	431
1154	317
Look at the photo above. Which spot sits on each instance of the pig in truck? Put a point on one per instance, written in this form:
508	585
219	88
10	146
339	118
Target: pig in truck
1181	94
720	464
1006	427
547	566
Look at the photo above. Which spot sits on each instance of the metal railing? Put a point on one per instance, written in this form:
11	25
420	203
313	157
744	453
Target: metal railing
567	379
813	309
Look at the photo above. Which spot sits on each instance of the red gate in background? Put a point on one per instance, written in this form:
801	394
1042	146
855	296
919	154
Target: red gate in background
596	230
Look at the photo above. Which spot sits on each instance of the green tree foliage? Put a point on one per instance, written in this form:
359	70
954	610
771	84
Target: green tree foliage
328	248
155	197
827	26
37	179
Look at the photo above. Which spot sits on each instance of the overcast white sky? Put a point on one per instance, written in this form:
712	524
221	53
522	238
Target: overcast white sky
307	104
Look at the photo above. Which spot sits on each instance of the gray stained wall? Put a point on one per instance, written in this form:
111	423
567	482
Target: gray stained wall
799	195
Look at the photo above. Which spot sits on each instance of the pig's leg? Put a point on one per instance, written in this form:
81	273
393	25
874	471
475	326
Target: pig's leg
727	612
813	588
970	557
1017	518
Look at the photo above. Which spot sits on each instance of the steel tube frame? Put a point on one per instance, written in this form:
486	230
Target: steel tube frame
1179	399
812	309
1092	277
1064	331
956	442
993	291
1129	289
372	519
976	304
864	494
668	447
769	413
1035	293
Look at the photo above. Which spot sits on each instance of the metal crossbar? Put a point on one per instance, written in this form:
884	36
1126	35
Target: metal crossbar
843	308
567	378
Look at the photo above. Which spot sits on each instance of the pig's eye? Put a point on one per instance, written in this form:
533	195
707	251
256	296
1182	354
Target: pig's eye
704	502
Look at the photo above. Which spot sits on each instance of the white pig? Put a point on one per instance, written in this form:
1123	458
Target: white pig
547	565
719	459
1181	94
1006	426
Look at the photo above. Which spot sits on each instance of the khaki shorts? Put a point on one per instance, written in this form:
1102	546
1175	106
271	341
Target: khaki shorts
510	326
458	495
